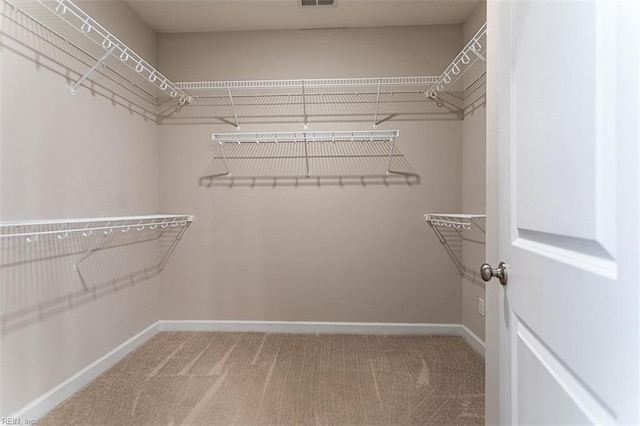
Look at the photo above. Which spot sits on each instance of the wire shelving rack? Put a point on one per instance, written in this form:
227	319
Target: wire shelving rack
98	229
452	230
306	153
319	100
306	101
376	99
86	36
473	52
453	220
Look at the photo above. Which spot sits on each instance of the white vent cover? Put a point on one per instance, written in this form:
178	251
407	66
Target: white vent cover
315	3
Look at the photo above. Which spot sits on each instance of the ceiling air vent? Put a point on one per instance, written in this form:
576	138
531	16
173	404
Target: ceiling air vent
315	3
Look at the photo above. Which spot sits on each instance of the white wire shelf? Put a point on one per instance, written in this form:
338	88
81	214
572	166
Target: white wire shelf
329	154
309	83
474	51
308	101
324	100
62	228
456	221
101	56
315	136
78	259
96	231
450	228
83	33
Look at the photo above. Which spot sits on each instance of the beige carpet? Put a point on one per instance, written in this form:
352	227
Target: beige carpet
285	379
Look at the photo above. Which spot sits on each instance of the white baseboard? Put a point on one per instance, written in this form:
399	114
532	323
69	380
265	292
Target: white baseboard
474	341
311	327
46	402
43	404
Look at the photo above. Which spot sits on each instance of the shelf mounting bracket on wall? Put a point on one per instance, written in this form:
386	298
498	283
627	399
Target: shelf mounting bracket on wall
306	155
92	69
375	116
233	108
86	255
393	144
305	123
224	160
479	55
469	54
457	223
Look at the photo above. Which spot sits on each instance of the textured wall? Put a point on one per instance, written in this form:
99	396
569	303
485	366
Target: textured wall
65	156
312	252
322	252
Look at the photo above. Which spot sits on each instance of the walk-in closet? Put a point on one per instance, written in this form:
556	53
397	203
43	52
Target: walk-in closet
296	212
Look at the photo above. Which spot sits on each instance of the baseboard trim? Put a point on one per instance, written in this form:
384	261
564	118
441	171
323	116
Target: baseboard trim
472	339
46	402
311	327
43	404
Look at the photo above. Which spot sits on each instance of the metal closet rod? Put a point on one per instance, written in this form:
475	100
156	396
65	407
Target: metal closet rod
32	229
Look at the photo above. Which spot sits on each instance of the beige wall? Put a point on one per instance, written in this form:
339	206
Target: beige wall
68	156
473	181
317	253
120	20
364	52
325	253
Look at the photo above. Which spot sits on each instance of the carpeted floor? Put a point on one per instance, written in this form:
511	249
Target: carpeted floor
285	379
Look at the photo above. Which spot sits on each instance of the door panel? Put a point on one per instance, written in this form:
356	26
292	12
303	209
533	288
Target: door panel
561	402
565	189
555	182
568	207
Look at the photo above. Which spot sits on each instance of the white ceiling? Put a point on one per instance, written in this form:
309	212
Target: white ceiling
173	16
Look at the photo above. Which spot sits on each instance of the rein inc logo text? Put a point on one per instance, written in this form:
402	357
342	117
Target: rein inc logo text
17	421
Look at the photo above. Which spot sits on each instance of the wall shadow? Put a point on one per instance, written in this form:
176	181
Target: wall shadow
39	279
304	181
25	37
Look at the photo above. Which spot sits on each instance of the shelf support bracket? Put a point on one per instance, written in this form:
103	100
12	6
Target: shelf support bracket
172	247
456	261
306	155
92	69
304	109
479	55
224	159
375	117
233	108
393	142
478	225
87	253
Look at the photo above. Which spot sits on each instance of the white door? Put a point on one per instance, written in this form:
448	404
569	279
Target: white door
566	100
